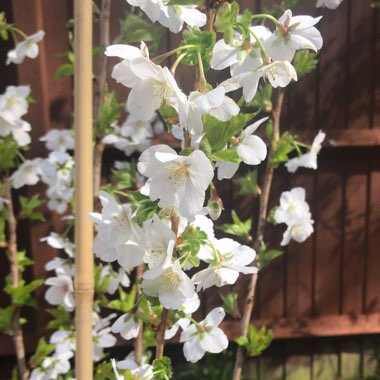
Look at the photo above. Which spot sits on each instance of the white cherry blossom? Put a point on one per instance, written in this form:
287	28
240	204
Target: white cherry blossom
127	326
157	238
168	282
296	32
309	159
28	173
331	4
59	140
278	73
151	85
294	212
251	149
117	233
27	48
204	337
52	367
227	258
61	291
179	181
14	100
172	17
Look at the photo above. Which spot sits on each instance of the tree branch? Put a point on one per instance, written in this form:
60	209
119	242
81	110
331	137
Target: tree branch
18	338
263	211
101	88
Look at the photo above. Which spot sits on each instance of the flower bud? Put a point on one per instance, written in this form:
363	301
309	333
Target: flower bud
215	207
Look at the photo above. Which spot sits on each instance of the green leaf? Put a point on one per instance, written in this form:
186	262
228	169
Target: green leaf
8	153
61	319
135	29
238	228
218	132
225	20
202	43
248	184
266	257
6	315
21	295
162	368
192	239
305	61
64	71
286	145
28	206
23	261
125	302
256	341
110	111
230	304
229	155
43	350
242	341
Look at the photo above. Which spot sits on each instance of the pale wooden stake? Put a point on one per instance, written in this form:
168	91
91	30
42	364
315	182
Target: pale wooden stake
84	267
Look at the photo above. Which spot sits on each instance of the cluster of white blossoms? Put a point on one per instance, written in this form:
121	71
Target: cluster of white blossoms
179	183
295	213
171	16
13	106
56	171
133	135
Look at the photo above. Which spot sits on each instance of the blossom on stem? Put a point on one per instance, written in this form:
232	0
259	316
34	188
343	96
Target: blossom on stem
294	212
61	291
127	326
179	181
227	258
59	139
168	282
151	85
117	233
171	16
204	337
28	173
278	73
251	149
27	48
52	367
309	159
294	33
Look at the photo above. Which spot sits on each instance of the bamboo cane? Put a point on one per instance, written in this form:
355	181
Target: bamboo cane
84	278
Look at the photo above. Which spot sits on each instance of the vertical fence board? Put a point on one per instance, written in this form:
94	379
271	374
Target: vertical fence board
333	69
325	361
350	357
328	237
354	244
360	58
373	263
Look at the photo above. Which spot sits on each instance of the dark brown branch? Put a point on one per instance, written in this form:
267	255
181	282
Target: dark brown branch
263	212
101	88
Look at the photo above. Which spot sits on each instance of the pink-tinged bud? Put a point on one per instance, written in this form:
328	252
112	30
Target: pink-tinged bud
215	207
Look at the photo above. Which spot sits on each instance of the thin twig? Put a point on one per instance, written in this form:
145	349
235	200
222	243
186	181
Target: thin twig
139	341
18	338
263	211
101	88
